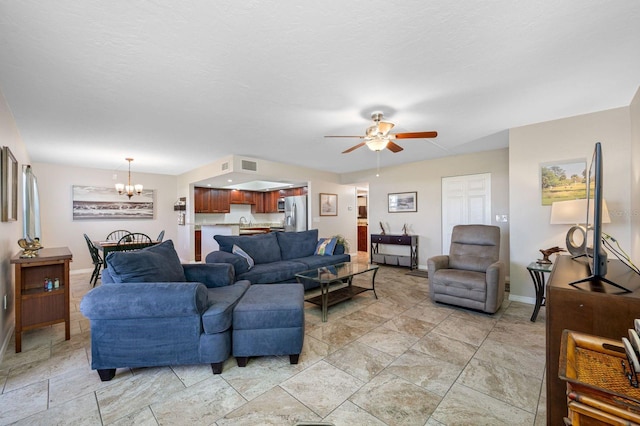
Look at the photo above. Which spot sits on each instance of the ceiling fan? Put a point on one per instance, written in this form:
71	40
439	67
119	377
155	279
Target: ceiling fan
378	137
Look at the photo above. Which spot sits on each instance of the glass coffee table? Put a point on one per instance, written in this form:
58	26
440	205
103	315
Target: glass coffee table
341	272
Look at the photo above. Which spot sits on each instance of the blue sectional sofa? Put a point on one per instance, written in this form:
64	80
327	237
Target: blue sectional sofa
276	256
150	311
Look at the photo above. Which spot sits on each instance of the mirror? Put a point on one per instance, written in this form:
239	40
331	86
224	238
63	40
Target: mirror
30	204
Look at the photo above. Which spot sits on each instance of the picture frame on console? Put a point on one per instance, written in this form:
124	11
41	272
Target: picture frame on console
328	204
403	202
8	185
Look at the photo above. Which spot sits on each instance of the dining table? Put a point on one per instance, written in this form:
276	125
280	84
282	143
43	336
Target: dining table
107	247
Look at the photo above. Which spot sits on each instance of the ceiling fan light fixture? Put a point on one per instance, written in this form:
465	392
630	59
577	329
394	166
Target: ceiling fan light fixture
377	144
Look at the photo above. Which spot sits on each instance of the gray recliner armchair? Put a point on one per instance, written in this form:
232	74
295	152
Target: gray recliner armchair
471	276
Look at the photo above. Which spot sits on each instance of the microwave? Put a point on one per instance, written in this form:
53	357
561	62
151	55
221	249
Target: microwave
281	204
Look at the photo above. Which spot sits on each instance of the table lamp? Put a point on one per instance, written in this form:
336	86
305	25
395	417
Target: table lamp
573	212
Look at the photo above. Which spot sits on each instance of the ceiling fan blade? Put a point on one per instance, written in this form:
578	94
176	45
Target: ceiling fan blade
394	147
361	137
414	135
353	148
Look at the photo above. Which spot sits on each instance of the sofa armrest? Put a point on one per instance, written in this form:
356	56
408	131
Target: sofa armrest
437	262
144	300
210	274
239	263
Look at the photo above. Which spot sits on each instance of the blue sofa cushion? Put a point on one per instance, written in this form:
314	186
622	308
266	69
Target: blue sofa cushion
313	262
158	263
240	265
269	273
222	300
297	244
262	248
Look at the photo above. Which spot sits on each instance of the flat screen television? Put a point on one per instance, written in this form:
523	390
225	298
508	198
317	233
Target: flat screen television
595	252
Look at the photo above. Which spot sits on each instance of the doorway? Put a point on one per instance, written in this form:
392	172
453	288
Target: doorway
465	200
362	197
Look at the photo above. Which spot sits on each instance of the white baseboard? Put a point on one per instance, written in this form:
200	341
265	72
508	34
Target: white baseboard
523	299
7	339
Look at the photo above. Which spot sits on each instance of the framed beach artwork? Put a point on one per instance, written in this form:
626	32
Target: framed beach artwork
403	202
100	203
563	180
328	204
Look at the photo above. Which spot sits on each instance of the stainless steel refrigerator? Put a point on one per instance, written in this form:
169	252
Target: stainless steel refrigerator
295	213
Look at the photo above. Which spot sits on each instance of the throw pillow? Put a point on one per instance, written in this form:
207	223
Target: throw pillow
326	246
158	263
237	250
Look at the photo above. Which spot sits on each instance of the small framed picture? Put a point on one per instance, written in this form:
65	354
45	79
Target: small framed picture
328	204
9	185
403	202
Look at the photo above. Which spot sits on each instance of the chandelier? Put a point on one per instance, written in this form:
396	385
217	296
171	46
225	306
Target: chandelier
129	190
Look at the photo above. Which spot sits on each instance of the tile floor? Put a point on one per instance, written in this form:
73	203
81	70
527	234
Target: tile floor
398	360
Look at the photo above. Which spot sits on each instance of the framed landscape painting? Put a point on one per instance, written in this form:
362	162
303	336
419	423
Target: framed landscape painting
99	203
564	180
8	185
401	202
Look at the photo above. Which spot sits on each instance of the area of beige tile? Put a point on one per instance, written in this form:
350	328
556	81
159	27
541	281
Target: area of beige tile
390	361
322	387
396	401
465	406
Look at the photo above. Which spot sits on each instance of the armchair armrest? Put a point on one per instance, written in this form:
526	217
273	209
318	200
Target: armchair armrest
437	262
210	274
144	300
495	279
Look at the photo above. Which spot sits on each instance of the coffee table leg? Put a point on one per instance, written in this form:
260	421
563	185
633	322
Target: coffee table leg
373	282
324	289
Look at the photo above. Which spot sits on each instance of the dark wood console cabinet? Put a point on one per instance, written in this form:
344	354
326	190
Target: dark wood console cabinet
594	308
410	259
34	306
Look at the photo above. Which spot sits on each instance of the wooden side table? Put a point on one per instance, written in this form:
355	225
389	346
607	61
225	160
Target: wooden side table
537	271
36	306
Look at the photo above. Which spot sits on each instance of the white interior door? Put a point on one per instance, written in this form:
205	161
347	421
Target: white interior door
465	200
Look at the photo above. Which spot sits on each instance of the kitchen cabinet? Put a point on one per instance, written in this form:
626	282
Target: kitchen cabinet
362	238
242	197
36	306
198	245
292	192
202	200
259	206
220	201
271	201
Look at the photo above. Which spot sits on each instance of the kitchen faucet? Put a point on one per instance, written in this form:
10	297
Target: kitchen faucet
242	220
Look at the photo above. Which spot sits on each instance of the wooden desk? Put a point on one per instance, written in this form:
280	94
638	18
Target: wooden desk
35	306
593	308
107	247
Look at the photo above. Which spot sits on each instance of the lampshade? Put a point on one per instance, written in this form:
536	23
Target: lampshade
573	212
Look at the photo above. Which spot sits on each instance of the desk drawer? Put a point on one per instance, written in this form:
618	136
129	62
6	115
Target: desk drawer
382	239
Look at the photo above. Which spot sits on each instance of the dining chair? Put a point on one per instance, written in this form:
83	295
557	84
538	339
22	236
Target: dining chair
160	236
134	241
98	263
116	235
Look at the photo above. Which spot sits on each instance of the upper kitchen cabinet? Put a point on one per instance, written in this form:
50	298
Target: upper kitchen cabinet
202	200
242	197
291	192
220	201
210	200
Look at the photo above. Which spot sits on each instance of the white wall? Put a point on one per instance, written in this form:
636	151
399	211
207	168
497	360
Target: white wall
10	232
58	227
425	178
559	140
635	175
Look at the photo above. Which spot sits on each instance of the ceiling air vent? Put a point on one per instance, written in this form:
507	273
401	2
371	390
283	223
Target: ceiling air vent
225	166
251	166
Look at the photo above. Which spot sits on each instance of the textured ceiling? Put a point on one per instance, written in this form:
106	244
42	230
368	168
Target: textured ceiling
178	84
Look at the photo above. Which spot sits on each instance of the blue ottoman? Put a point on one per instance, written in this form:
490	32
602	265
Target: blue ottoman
269	320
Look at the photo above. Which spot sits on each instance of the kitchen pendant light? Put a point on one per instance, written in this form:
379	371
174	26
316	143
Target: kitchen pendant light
129	190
